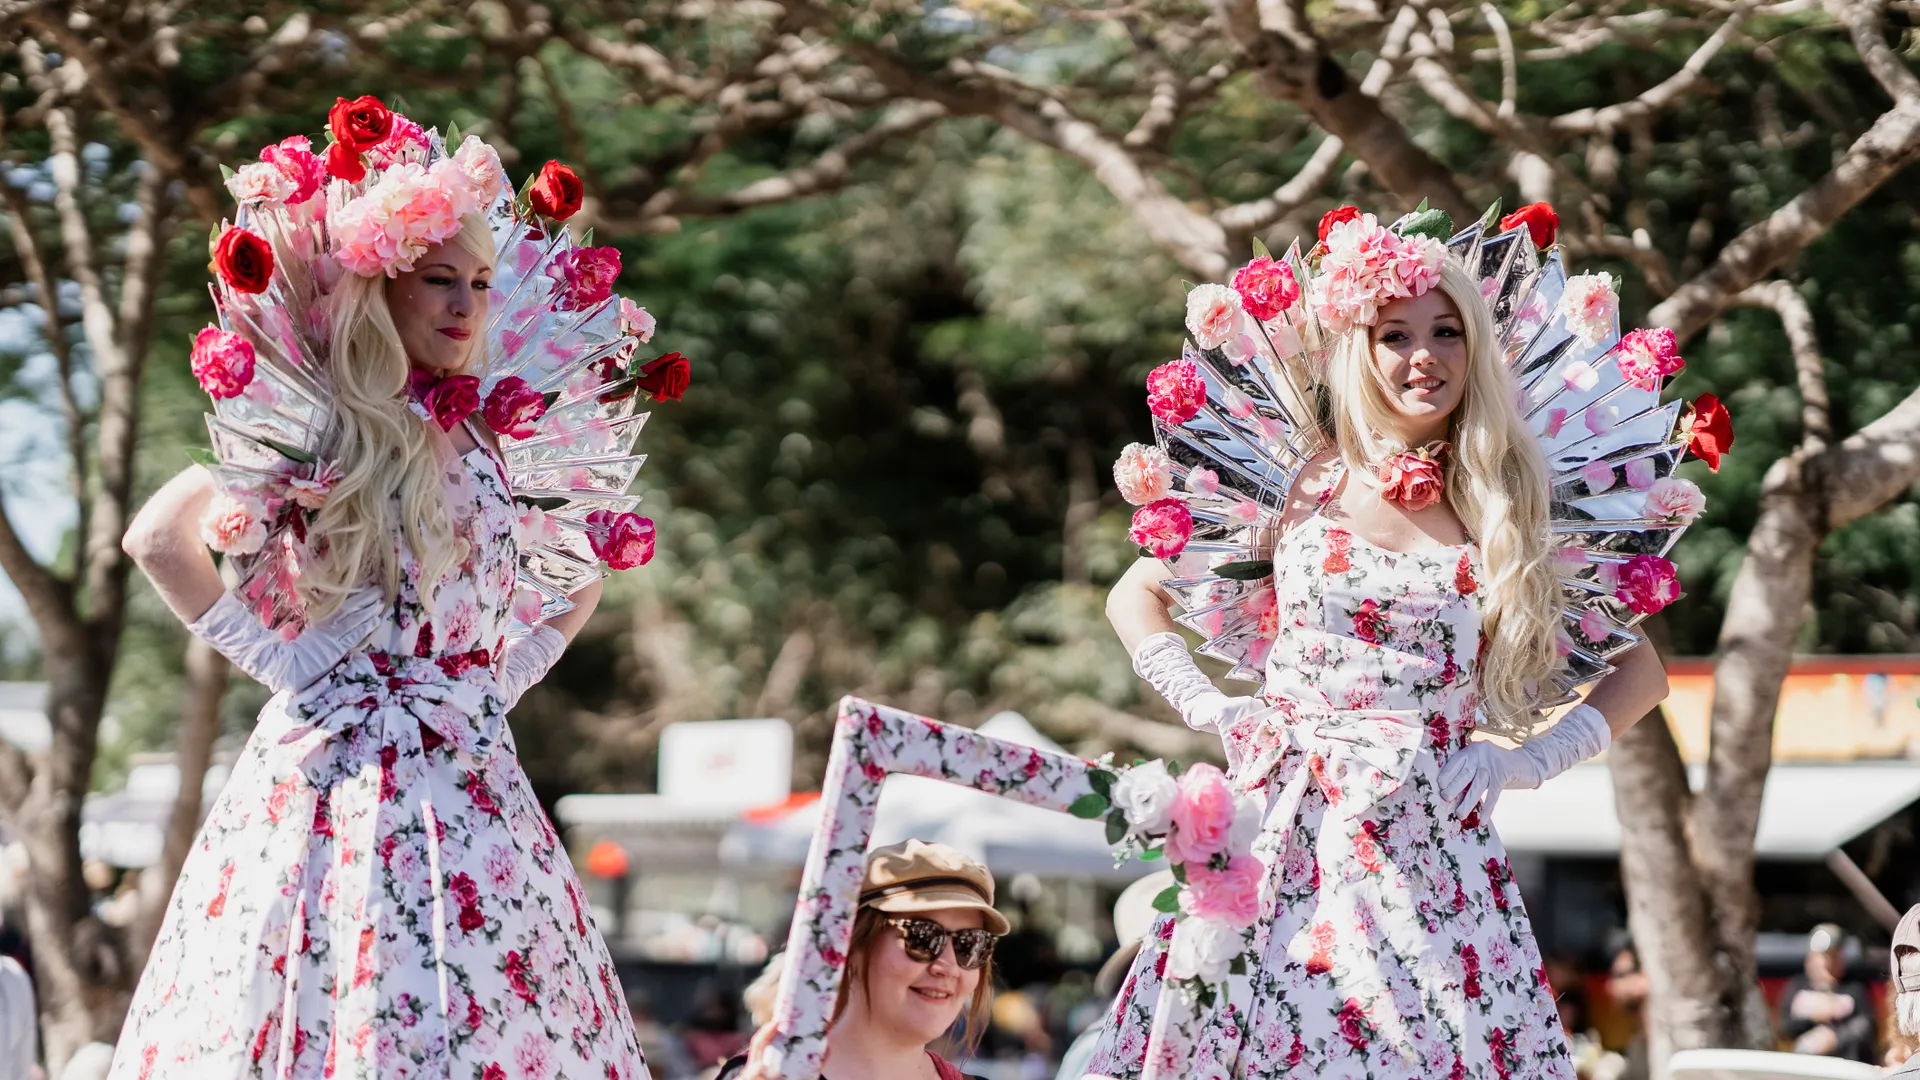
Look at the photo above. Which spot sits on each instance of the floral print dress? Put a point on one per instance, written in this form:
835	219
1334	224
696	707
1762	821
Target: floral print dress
1391	941
376	893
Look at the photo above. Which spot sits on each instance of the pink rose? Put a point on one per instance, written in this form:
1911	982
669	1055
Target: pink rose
234	524
1413	479
1213	315
635	321
1162	527
583	277
622	541
513	408
1176	390
1202	816
448	400
1231	895
1647	584
1143	474
1647	356
1266	288
222	361
295	159
1674	498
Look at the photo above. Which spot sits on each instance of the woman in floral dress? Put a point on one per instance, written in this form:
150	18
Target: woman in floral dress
376	892
1414	590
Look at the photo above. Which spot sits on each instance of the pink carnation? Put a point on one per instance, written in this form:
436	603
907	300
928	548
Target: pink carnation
1589	305
402	136
583	277
1231	895
1266	288
513	408
1202	816
484	171
234	524
622	541
222	361
1647	356
1674	498
1143	474
1176	390
260	182
1162	527
1366	266
1213	315
635	321
1647	584
295	159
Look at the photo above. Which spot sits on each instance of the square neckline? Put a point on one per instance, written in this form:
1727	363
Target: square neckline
1327	496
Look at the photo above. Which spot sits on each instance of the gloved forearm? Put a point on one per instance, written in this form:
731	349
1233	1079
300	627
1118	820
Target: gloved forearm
273	661
526	661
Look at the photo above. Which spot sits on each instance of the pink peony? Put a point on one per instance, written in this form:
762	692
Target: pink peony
1413	479
622	541
1266	288
1647	584
1176	390
1231	895
234	524
295	159
1647	356
513	408
222	361
260	182
1202	816
583	277
1213	315
1143	474
635	321
1589	305
1675	499
310	493
1162	527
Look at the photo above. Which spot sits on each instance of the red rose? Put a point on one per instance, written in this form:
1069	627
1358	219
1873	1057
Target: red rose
1710	430
1369	619
1336	216
1266	288
622	541
519	977
244	261
665	378
1463	582
513	407
357	126
556	192
1540	220
451	399
471	919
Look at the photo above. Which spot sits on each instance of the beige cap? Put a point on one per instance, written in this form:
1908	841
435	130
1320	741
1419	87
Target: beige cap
916	876
1827	937
1906	953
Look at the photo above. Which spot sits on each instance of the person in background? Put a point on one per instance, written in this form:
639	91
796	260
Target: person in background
1627	987
1822	1011
1133	915
19	1037
713	1033
761	994
918	962
90	1062
1905	984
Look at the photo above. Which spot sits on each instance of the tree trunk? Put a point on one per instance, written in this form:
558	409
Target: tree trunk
207	677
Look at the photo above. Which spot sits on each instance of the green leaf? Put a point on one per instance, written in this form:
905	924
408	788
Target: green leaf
1260	249
1239	965
1153	853
1089	806
452	138
1248	570
1168	899
1101	781
1491	217
1174	768
202	456
292	453
1187	286
226	171
1427	222
1116	827
1180	873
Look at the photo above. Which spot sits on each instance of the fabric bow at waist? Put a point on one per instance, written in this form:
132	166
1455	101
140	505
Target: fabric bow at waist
453	698
1357	756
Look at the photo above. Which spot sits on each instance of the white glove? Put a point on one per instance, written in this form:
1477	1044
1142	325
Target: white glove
1482	769
279	664
526	661
1162	659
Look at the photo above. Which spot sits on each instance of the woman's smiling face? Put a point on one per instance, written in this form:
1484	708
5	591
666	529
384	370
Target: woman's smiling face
1420	352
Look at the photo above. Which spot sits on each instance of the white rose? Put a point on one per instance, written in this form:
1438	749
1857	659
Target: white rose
1246	824
1145	794
1203	949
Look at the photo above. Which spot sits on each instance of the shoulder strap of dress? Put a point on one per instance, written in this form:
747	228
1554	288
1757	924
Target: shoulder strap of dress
946	1070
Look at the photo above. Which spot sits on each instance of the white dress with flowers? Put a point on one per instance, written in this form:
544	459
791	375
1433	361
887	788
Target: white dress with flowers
1391	941
376	893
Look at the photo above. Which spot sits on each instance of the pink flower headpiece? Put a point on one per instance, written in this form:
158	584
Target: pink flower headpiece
409	207
1364	265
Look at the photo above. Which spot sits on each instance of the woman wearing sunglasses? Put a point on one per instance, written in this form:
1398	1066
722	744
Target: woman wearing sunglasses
918	962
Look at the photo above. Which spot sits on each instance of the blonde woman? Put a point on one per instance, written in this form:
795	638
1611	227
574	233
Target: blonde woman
376	892
1412	587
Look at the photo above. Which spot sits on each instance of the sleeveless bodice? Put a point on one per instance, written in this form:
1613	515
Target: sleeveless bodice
473	601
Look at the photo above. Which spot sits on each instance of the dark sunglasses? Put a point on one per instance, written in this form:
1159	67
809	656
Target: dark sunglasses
924	941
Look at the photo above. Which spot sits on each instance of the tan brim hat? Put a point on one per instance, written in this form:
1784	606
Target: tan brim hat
936	898
1906	953
915	876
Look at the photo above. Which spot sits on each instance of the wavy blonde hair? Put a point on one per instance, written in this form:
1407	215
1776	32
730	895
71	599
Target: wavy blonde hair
390	484
1497	483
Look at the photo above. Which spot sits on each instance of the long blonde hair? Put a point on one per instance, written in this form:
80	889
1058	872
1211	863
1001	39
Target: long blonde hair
390	483
1496	482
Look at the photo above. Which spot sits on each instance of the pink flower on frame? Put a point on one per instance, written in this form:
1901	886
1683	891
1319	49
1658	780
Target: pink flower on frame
235	523
1645	357
1647	584
1675	499
1214	315
583	277
1266	287
1176	390
222	362
1162	527
1143	474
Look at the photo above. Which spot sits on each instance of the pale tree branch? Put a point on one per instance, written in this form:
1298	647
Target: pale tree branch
1509	74
1862	20
1612	117
40	273
1809	369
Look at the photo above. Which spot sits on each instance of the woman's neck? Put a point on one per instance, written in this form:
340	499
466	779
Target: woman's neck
858	1049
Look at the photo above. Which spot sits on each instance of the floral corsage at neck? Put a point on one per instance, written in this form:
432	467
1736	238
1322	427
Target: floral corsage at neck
1414	479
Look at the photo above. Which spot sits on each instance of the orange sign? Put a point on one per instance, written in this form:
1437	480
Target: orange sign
1832	708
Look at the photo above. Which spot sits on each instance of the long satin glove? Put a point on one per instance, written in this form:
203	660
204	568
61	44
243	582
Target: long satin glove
279	664
526	661
1162	659
1483	769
